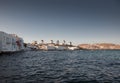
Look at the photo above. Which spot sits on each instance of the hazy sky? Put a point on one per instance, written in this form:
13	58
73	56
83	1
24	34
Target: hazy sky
79	21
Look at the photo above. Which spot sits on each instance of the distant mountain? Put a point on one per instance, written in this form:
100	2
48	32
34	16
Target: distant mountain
100	46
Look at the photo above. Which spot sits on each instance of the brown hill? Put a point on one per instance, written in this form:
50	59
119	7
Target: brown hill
100	46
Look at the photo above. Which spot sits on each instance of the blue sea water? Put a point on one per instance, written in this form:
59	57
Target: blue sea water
83	66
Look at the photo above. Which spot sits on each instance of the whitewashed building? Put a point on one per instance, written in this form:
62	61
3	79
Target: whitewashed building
61	47
72	48
47	47
5	42
10	42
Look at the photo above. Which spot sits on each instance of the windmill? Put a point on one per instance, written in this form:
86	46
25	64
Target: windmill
42	41
70	43
57	42
64	42
51	41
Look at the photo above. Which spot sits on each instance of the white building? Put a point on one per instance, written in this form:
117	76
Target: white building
72	48
60	47
47	47
5	42
10	42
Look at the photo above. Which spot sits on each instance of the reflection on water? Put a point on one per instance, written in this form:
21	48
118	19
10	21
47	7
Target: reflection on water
60	67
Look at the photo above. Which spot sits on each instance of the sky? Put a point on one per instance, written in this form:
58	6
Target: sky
79	21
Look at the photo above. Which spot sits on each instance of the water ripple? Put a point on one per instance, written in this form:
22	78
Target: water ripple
60	67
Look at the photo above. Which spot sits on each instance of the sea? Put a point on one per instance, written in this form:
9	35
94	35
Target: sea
81	66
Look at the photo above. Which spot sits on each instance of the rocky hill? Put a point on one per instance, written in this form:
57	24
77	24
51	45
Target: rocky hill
100	46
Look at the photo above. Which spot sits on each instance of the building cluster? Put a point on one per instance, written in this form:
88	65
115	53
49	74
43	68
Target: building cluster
52	45
10	42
